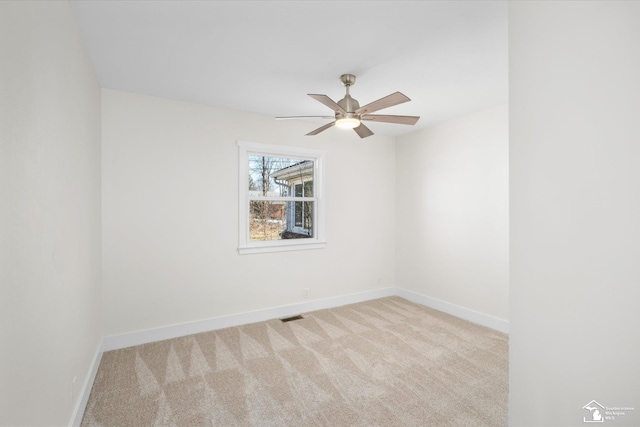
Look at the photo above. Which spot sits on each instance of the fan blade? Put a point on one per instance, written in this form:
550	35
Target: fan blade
363	131
403	120
328	102
320	129
386	102
305	117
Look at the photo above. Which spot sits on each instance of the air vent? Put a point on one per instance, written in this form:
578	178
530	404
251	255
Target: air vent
289	319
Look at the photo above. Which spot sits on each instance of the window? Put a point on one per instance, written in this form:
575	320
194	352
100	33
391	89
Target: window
281	200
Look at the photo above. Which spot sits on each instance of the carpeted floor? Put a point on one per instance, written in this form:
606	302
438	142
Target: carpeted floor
386	362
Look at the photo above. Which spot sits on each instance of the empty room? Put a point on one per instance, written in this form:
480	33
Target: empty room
319	213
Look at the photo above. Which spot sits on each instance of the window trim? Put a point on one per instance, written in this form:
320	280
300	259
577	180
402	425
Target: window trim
318	241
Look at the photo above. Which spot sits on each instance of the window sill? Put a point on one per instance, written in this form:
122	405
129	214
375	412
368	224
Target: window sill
246	250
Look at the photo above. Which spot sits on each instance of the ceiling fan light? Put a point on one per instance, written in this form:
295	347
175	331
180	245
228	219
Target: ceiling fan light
348	123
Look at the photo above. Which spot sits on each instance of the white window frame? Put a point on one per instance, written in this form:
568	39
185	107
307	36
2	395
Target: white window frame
318	241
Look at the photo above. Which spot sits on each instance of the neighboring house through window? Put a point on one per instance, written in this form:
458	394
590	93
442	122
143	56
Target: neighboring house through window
281	198
298	178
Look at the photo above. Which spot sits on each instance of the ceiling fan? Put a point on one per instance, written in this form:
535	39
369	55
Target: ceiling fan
350	115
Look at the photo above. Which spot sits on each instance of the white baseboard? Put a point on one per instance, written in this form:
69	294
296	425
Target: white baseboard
81	404
114	342
455	310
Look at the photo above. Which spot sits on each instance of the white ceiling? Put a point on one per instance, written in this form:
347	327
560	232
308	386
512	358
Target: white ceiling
449	57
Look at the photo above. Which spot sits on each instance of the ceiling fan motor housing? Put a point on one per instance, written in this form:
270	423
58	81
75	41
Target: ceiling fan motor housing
349	105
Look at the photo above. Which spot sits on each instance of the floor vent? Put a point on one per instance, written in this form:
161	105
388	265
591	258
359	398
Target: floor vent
289	319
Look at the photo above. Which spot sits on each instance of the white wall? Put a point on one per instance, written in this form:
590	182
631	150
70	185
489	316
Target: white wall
575	210
170	215
452	212
50	213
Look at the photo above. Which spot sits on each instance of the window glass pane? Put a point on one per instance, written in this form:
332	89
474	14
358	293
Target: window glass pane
298	213
279	176
308	216
302	218
280	220
267	219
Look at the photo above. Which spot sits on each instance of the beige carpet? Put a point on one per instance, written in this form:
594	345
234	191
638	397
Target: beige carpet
386	362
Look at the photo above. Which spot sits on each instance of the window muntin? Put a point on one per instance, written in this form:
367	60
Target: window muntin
281	203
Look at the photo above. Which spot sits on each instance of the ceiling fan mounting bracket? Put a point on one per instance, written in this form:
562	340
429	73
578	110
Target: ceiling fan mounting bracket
348	80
